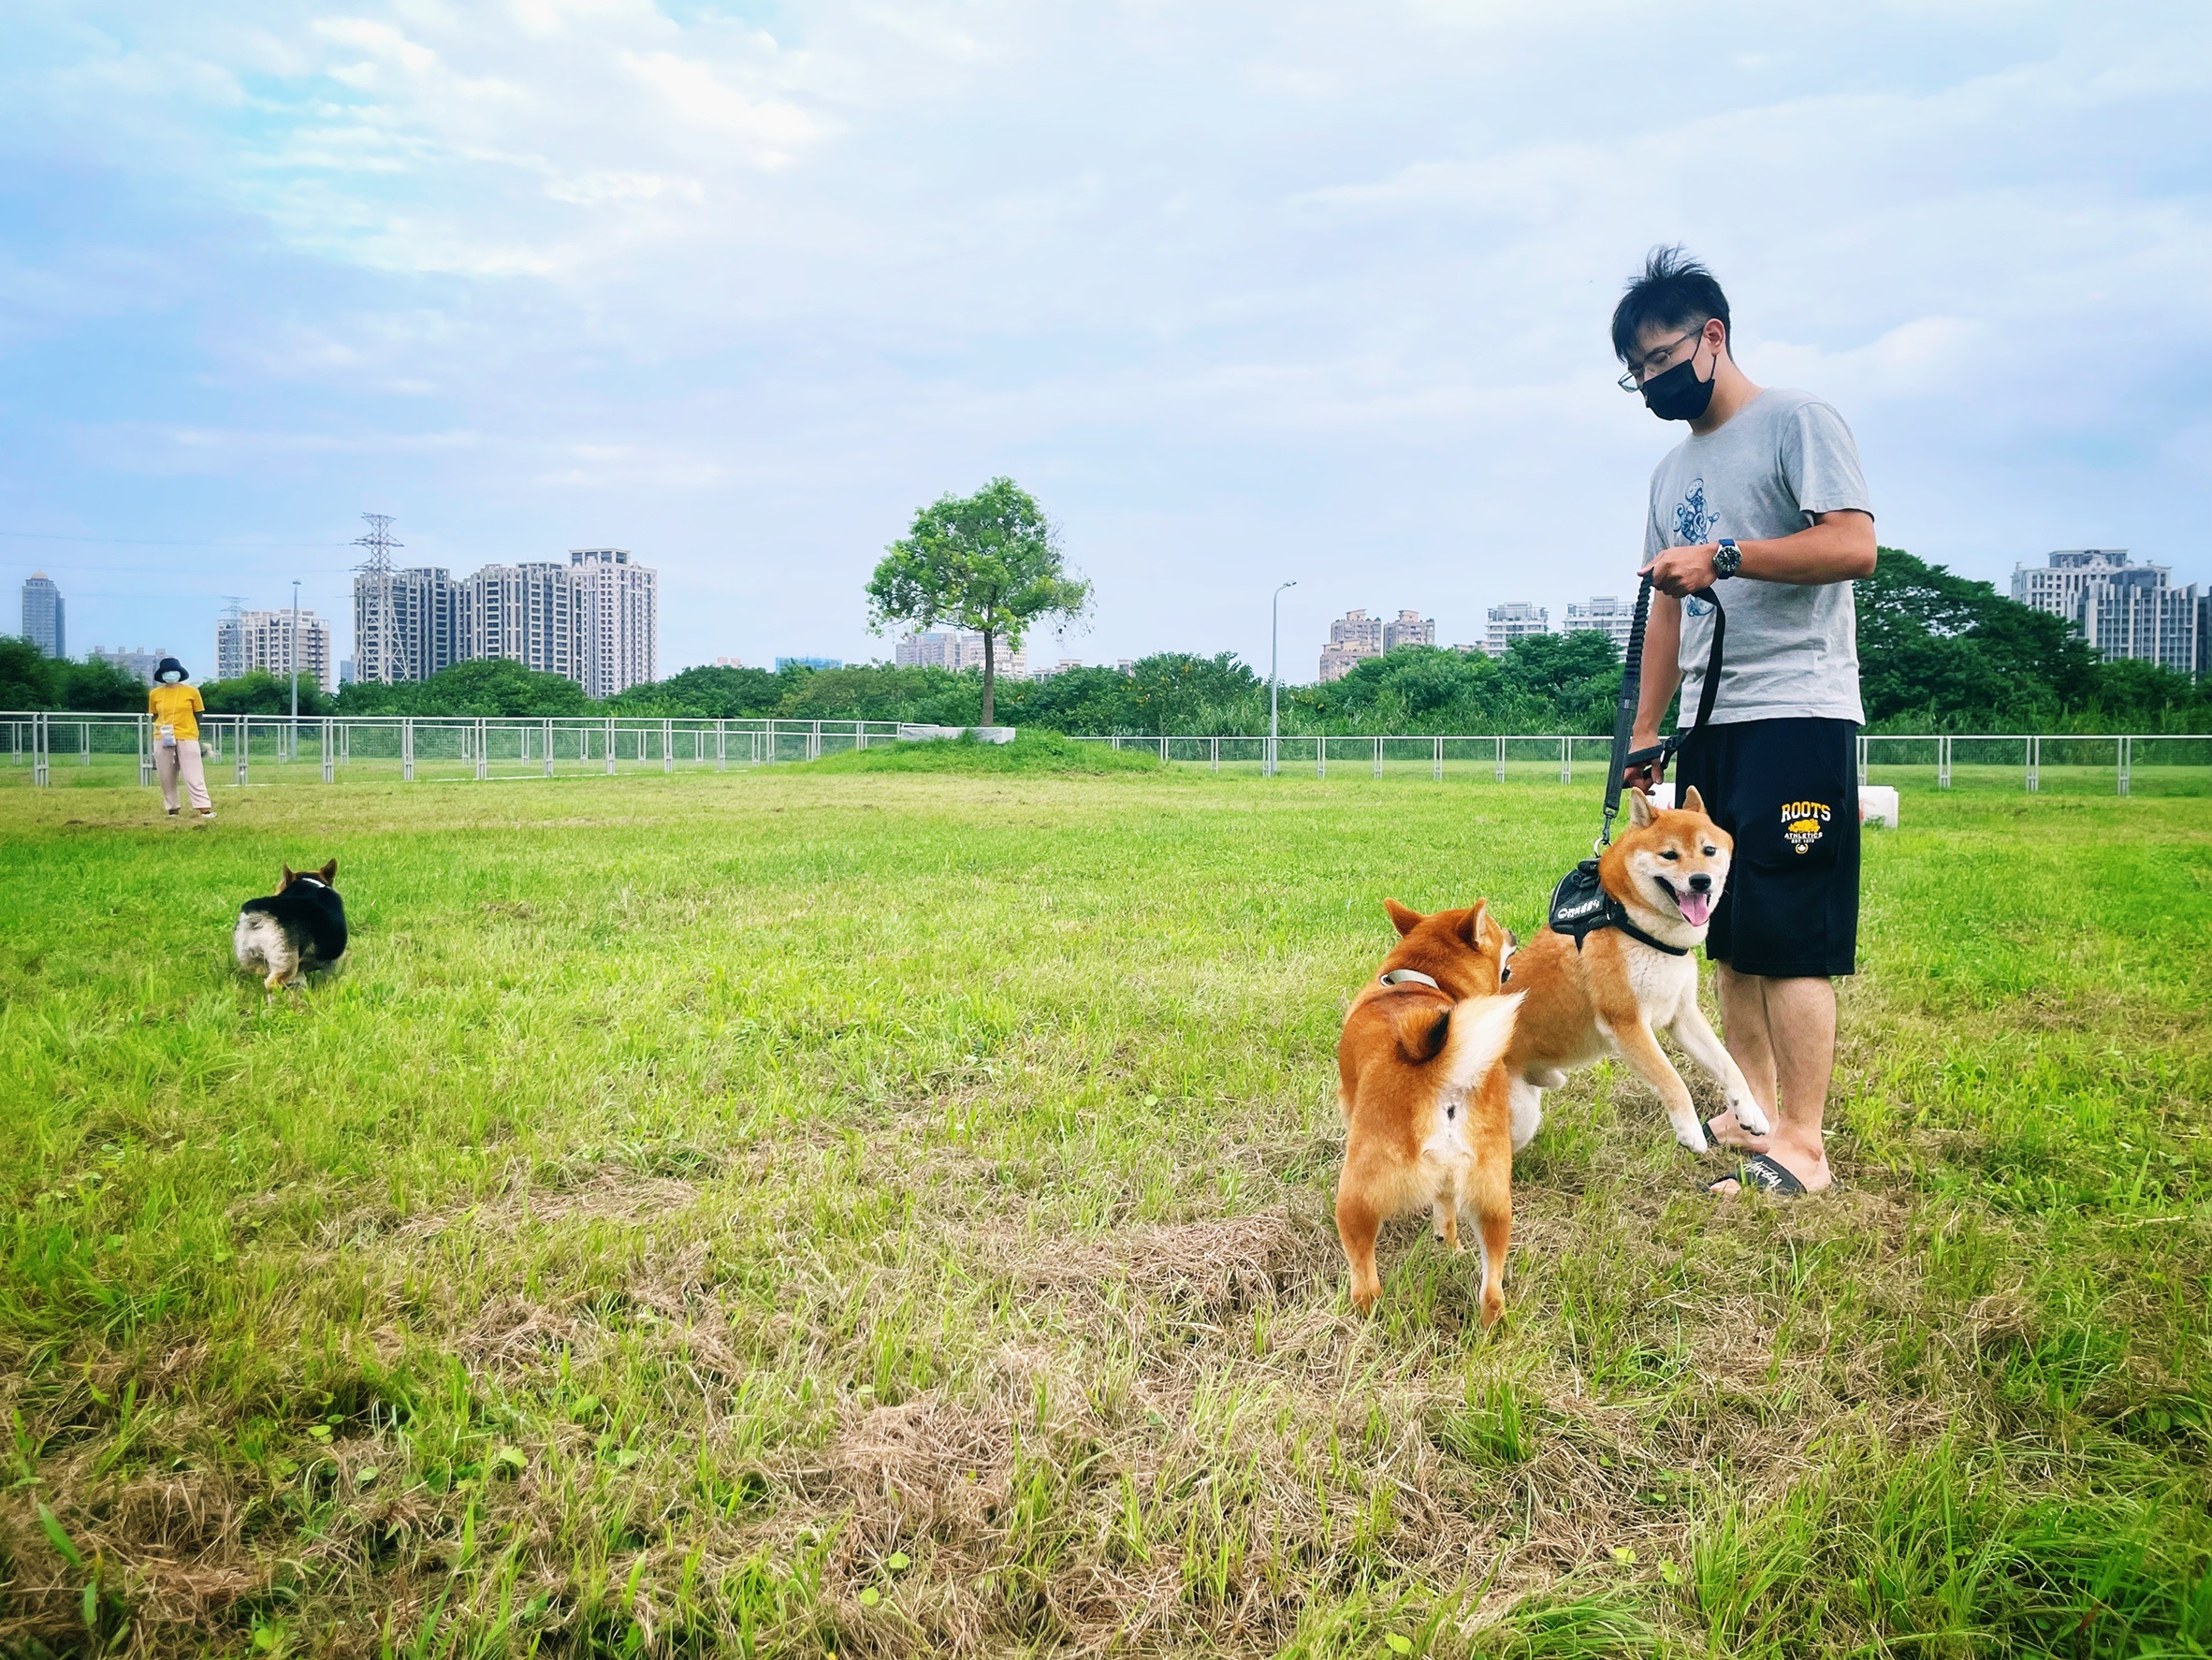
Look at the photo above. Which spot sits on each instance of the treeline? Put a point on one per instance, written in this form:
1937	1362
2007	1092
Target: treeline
1937	653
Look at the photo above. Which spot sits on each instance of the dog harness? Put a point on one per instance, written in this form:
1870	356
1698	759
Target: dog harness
1580	905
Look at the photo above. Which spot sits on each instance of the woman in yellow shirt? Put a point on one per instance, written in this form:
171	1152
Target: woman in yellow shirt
176	738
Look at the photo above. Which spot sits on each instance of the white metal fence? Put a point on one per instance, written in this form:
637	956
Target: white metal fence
1947	755
422	746
275	749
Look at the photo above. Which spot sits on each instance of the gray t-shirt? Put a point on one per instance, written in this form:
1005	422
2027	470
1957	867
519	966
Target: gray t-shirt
1791	649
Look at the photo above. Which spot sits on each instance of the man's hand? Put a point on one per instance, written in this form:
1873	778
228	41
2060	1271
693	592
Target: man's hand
1682	571
1651	772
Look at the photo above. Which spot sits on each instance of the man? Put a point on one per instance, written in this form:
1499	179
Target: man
174	706
1764	504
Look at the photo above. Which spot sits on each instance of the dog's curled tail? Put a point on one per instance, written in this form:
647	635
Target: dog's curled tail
1481	1028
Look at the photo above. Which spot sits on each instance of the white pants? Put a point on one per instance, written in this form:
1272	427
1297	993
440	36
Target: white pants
182	756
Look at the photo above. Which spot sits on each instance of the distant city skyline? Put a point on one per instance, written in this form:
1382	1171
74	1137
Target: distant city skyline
594	620
531	611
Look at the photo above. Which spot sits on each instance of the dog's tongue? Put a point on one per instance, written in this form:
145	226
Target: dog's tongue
1695	908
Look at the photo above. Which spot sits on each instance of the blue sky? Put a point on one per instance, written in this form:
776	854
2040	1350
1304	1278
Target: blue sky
1242	292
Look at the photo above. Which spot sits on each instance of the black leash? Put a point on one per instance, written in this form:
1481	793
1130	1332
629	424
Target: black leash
1632	686
1579	905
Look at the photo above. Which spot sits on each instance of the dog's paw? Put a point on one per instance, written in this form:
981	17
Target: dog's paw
1691	1136
1750	1115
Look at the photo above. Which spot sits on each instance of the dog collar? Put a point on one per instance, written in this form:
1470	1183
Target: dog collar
1409	977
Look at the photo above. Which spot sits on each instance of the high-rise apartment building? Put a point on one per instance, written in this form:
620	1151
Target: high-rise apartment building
618	620
45	622
596	620
526	613
1353	638
1515	620
2123	608
262	641
956	649
428	630
1410	629
1603	615
138	664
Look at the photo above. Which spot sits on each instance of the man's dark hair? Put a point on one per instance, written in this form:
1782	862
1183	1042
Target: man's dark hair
1673	291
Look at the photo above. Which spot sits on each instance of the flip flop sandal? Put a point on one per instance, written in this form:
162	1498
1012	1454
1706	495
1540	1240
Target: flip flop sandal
1757	1170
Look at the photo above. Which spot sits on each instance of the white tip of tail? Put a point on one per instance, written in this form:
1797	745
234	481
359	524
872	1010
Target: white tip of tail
1481	1028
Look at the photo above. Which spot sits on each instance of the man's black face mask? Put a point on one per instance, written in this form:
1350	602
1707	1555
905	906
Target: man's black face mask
1679	395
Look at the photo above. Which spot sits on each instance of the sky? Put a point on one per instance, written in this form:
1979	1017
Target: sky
1243	293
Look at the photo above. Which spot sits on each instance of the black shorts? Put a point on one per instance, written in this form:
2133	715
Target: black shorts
1787	791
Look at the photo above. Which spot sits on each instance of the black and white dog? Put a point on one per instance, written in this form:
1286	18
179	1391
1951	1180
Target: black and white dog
299	927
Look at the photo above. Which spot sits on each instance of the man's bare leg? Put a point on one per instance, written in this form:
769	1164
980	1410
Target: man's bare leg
1782	1034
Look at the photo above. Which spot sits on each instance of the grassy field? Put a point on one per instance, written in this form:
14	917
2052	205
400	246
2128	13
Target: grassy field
807	1210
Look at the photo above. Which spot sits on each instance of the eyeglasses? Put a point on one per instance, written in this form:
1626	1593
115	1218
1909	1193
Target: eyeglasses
1654	362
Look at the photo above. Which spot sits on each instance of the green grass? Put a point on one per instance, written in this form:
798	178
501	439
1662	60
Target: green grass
1034	753
787	1211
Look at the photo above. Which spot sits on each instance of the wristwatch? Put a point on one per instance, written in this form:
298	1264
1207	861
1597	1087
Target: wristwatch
1729	559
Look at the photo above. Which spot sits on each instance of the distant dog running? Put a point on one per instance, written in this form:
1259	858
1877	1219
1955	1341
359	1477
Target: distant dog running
1628	974
1424	1095
299	928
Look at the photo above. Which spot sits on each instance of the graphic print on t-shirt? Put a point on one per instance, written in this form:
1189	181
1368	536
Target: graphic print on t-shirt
1694	523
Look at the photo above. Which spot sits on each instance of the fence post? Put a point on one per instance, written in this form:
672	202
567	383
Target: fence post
1217	754
1862	758
1944	763
145	753
1500	773
545	739
329	759
1378	756
2034	763
39	774
610	746
245	744
1566	761
407	749
482	738
721	746
2124	744
1320	756
1436	766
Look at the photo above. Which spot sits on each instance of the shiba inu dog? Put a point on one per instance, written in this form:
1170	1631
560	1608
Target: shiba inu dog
299	927
1613	990
1424	1094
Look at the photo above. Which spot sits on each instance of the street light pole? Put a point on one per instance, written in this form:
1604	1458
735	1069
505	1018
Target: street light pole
1275	636
295	668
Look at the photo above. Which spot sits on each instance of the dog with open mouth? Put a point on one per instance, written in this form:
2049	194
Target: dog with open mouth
1612	989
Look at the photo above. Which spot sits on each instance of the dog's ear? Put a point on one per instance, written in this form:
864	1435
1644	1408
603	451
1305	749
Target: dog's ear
1471	930
1640	809
290	876
1692	801
328	872
1406	921
1421	1031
